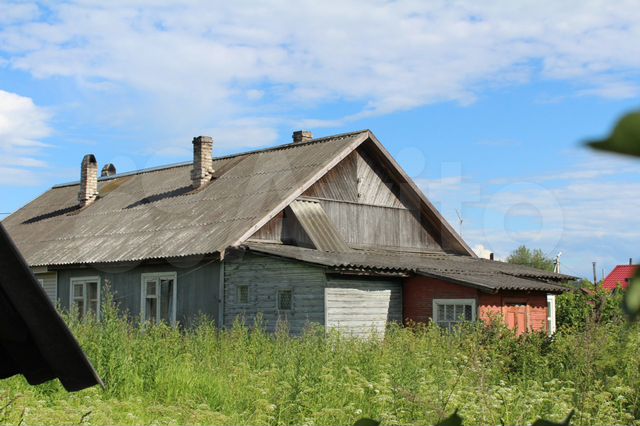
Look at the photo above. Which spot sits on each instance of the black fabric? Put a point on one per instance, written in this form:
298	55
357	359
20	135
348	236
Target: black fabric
34	340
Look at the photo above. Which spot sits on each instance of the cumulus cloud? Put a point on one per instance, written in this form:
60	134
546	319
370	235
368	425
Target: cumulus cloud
23	125
230	58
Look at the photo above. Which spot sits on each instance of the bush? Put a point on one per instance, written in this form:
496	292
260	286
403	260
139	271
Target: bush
575	309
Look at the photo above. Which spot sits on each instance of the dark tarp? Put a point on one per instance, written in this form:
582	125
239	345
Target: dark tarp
34	340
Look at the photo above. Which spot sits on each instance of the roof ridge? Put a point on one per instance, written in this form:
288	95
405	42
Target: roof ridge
224	157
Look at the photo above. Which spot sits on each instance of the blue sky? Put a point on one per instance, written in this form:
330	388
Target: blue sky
486	106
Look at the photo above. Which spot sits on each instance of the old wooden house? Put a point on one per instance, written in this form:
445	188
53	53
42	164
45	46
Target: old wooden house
328	230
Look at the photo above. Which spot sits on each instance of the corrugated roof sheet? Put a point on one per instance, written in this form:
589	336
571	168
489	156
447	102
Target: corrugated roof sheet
155	214
318	226
486	274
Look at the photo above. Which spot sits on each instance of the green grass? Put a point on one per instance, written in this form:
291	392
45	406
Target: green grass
160	375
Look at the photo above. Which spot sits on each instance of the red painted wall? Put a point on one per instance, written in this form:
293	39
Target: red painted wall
419	292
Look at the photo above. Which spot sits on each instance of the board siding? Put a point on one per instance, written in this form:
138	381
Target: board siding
265	275
197	288
366	225
362	307
49	282
366	207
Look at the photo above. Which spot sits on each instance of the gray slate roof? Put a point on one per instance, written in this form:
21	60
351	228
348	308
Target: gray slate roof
155	214
481	273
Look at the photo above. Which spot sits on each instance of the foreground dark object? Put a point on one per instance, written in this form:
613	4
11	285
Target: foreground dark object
34	341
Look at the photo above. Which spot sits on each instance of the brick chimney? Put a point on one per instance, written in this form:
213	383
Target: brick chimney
302	136
202	161
108	170
88	181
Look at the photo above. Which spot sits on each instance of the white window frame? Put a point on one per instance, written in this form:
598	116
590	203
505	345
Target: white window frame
143	293
437	302
551	313
84	280
238	299
278	299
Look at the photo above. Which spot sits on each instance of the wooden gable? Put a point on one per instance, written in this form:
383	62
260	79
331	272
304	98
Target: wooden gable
369	207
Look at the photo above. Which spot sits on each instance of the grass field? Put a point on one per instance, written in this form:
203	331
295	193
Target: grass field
159	375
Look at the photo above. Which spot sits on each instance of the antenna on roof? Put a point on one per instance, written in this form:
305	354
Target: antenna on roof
556	263
460	220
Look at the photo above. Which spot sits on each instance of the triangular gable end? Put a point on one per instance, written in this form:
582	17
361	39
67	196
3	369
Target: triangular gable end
371	203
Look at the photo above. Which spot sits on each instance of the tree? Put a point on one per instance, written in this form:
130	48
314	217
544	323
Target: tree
534	258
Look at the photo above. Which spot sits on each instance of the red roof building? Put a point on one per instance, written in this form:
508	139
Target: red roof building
621	274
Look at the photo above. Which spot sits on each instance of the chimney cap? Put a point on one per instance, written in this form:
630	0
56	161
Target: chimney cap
89	158
202	139
108	170
301	136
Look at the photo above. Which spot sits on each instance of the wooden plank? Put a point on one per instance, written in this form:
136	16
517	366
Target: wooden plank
49	282
360	307
265	275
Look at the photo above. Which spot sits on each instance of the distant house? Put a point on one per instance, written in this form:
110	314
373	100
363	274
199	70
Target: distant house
328	231
620	276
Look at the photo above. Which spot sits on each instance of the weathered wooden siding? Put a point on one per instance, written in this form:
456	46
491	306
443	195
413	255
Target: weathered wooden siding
49	281
359	179
340	183
265	275
375	186
367	225
361	307
286	228
197	288
365	205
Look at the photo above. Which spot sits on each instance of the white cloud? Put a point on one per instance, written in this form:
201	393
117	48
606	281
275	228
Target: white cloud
227	58
23	125
17	12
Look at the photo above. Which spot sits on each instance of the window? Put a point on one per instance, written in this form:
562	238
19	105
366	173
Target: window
449	312
285	300
85	295
243	294
158	301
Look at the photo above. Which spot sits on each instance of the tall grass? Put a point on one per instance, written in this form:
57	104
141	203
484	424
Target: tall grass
156	374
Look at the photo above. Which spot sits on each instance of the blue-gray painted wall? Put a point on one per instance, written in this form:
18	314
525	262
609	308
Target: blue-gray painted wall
197	287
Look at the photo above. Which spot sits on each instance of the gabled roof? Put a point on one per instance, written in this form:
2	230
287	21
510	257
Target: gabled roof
155	214
35	341
466	270
621	274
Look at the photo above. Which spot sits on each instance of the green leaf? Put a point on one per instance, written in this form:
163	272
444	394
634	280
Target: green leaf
625	138
631	302
452	420
566	422
366	422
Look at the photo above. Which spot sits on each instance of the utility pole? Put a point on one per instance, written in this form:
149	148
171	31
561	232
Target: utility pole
556	264
595	279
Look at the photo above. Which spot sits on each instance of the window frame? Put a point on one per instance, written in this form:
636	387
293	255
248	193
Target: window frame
143	294
238	293
463	302
84	280
280	290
